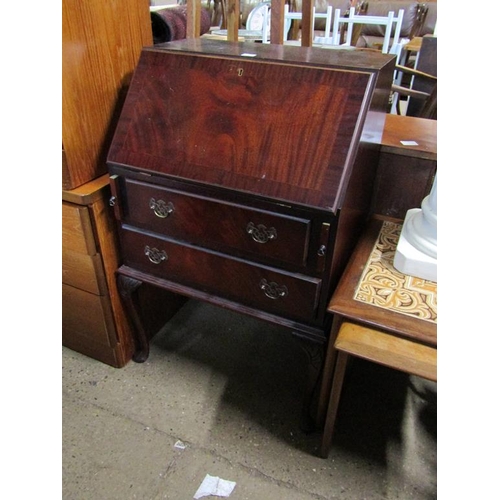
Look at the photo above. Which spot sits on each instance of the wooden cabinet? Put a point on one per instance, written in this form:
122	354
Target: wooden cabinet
101	43
242	175
407	165
93	320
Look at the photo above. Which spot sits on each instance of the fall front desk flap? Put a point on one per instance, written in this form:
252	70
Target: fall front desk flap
277	121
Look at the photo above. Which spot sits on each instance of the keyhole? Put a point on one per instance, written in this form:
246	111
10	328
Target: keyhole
240	71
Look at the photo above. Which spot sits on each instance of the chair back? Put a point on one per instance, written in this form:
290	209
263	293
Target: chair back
291	16
388	22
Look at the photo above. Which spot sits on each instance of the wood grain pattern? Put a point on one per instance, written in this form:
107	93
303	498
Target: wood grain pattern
101	45
237	131
107	236
408	128
193	21
277	21
83	271
77	233
233	19
214	224
307	29
87	315
388	350
222	275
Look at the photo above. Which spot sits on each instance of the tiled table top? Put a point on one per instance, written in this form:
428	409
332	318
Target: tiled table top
381	285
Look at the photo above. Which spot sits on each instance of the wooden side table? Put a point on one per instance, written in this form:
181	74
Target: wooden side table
380	315
407	165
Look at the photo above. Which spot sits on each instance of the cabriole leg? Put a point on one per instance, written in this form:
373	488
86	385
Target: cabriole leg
128	288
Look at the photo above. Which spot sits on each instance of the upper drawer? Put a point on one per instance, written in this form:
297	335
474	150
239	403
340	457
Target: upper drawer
77	235
215	224
266	288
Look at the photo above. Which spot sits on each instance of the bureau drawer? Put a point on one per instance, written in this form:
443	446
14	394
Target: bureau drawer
266	288
215	224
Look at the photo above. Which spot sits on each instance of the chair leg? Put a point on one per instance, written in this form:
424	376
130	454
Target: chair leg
333	405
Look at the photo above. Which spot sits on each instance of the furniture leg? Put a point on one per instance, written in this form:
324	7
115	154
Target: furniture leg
315	353
128	288
330	359
333	405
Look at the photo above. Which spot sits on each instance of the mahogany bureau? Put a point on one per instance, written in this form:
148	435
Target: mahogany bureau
242	175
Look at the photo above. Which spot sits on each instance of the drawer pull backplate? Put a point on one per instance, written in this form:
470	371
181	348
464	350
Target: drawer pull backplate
154	255
260	233
160	208
273	290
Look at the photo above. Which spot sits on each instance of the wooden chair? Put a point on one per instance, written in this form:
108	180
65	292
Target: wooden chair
388	21
421	92
291	16
428	108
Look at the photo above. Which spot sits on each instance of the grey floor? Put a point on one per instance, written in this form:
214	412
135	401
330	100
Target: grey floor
229	388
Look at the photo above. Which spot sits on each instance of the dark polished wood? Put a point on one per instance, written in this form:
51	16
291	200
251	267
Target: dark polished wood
128	288
236	132
427	63
405	172
245	181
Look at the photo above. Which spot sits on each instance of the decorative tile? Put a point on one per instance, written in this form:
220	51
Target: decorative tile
381	285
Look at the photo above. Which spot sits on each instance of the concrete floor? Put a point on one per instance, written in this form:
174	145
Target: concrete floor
230	388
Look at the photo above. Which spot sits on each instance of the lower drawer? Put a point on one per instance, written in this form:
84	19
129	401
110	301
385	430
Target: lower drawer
268	289
87	315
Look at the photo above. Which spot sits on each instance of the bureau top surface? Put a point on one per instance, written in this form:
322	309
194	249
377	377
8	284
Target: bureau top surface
276	121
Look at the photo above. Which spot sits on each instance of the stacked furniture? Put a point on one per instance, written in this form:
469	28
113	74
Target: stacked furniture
101	45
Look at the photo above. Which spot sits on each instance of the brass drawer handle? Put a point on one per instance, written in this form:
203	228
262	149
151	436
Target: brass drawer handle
260	233
154	255
273	290
160	208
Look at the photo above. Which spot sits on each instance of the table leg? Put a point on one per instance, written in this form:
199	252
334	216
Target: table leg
333	405
326	382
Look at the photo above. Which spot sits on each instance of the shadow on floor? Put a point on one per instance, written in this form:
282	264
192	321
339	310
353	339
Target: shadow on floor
266	371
